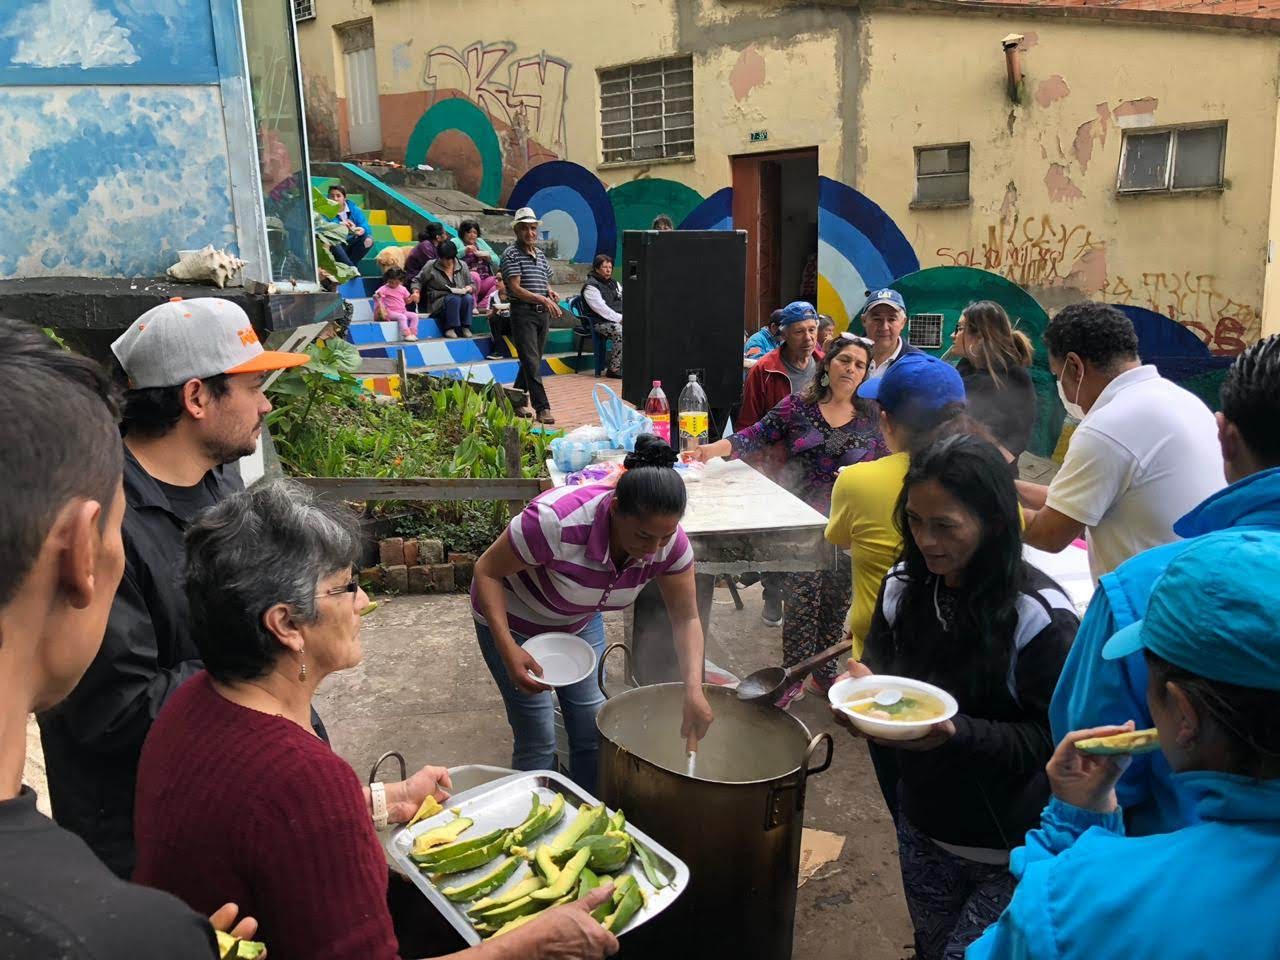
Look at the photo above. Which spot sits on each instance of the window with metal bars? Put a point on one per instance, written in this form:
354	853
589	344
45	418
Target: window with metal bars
1165	161
646	111
925	331
304	9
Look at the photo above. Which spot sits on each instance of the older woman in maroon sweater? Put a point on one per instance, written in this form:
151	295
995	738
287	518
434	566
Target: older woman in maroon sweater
238	798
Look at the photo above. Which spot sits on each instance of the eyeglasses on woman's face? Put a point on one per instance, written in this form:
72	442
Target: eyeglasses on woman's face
351	586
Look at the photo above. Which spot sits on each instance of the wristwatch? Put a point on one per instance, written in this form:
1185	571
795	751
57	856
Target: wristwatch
378	796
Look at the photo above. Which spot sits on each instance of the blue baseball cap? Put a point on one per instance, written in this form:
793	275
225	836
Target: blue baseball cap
885	295
797	311
920	380
1213	611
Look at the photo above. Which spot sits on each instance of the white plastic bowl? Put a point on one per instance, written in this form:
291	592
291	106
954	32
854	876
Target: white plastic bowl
850	688
565	658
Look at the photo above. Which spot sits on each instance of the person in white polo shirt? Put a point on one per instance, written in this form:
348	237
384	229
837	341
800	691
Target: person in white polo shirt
1146	451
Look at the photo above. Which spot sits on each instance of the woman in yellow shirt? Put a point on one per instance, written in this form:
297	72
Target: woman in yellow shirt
918	395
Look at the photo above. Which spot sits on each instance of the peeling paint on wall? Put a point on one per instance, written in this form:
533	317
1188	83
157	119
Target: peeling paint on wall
1051	90
1060	186
747	73
402	57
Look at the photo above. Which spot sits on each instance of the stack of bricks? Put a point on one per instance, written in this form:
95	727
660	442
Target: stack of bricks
418	566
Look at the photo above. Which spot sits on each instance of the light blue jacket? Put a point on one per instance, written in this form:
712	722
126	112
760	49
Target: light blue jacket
1087	892
762	341
1092	692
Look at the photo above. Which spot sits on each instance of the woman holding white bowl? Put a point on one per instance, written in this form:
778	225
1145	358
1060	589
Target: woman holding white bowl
964	611
573	553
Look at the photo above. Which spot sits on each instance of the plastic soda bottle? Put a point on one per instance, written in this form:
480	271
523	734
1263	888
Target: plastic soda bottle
657	409
694	421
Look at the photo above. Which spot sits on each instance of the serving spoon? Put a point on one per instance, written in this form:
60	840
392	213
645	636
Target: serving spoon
768	683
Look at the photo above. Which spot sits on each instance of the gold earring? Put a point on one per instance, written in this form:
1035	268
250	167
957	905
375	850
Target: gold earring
302	672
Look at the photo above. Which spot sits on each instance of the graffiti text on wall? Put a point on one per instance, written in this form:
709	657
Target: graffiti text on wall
1226	325
526	94
1032	252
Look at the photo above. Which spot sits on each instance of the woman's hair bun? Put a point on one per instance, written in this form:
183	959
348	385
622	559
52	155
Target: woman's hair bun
651	451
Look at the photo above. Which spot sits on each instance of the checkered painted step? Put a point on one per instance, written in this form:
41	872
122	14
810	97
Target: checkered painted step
365	330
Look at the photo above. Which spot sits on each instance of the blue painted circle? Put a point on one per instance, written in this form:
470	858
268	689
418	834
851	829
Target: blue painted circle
594	218
572	205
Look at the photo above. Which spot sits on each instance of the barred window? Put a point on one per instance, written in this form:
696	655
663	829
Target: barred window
646	110
925	331
304	9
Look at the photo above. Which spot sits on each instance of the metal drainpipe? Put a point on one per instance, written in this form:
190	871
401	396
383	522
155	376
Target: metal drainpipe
1013	64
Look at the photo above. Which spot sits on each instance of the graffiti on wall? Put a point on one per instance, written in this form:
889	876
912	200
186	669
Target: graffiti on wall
1035	252
524	95
1226	325
112	181
1041	252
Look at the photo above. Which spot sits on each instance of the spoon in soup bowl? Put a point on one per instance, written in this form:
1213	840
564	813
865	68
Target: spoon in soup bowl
883	698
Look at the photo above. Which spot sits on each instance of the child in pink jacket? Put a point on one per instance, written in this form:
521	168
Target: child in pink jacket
392	301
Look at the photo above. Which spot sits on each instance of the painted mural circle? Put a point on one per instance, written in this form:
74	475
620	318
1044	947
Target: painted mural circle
574	207
469	120
636	203
713	213
859	249
948	290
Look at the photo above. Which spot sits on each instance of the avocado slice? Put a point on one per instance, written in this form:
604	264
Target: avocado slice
567	881
469	860
1134	741
482	885
626	905
441	836
588	822
451	850
519	891
233	948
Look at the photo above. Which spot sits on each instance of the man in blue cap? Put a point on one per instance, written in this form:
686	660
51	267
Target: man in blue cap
884	316
788	369
1086	890
1091	690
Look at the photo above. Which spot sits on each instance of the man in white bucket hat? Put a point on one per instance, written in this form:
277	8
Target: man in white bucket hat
533	304
194	406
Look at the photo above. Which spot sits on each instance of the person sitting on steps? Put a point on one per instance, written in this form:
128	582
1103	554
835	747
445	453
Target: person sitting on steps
602	303
392	303
428	249
446	288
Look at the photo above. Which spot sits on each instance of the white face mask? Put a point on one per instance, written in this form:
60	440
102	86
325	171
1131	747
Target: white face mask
1073	408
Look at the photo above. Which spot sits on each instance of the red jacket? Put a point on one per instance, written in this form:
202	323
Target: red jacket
767	384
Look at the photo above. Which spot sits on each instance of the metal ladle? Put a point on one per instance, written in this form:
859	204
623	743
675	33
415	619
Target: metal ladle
771	681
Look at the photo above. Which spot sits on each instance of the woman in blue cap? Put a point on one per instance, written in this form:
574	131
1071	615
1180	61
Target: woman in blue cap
1087	892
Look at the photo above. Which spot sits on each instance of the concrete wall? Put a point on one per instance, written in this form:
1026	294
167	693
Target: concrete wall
496	97
1044	210
115	152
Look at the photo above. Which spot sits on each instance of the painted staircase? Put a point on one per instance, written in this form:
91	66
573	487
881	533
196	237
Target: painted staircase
433	353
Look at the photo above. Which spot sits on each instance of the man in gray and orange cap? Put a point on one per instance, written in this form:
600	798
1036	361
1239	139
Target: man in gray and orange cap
194	406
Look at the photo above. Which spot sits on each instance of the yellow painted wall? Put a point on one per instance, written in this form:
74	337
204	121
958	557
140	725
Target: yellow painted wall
1271	295
753	72
1044	207
865	86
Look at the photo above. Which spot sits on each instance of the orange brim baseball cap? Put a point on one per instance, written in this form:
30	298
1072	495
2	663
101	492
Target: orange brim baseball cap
183	340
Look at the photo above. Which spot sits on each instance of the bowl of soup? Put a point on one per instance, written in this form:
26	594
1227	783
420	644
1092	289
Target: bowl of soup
920	705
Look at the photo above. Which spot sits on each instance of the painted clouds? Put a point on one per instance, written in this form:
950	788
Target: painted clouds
111	181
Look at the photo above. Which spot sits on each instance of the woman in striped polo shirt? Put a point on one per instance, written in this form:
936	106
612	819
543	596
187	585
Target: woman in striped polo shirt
573	553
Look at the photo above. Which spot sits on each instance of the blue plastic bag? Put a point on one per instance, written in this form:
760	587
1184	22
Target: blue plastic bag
622	423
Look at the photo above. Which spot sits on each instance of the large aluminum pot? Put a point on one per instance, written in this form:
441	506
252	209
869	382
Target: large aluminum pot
737	823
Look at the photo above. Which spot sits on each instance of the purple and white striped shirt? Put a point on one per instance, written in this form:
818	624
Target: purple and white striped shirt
563	535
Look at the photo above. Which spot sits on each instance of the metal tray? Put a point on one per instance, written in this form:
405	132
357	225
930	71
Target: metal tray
506	804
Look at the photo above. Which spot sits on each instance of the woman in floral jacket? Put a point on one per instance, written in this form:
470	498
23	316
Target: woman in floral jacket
819	432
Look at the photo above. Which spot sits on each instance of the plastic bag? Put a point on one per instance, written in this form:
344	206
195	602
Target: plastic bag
571	455
620	422
589	433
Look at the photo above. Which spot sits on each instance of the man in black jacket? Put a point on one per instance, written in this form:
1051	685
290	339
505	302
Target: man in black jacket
195	406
